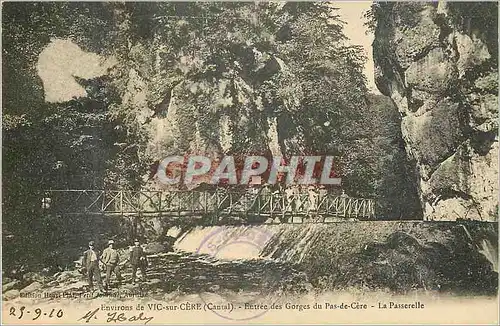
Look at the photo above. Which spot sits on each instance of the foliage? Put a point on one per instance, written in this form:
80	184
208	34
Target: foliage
50	145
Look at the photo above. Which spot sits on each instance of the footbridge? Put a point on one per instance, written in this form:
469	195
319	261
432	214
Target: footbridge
250	205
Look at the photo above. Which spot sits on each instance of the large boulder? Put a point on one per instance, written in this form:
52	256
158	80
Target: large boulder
33	287
10	286
68	275
9	295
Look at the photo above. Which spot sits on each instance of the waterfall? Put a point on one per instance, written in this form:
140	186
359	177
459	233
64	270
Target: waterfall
174	232
282	242
227	242
297	243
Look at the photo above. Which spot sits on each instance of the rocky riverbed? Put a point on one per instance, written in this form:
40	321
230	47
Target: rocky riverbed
392	257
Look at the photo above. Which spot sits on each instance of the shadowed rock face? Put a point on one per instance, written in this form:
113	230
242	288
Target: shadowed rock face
212	116
438	63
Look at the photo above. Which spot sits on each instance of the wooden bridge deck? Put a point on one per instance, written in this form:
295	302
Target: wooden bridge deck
217	203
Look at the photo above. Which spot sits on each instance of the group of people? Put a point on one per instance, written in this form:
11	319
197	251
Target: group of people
110	260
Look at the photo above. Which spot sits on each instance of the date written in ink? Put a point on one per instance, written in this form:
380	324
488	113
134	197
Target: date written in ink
36	313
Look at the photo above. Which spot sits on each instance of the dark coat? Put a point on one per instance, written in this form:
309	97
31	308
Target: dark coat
135	255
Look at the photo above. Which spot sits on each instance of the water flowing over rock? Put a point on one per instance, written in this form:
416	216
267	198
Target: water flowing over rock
393	255
438	63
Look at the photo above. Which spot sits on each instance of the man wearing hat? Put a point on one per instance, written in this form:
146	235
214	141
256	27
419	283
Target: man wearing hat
111	259
137	260
91	263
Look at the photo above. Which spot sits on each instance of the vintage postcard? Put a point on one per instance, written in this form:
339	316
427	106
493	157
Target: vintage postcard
264	162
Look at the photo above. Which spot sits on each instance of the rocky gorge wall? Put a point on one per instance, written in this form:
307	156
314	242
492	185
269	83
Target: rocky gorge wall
438	63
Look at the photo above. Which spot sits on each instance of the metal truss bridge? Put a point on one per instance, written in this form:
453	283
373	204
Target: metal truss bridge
254	205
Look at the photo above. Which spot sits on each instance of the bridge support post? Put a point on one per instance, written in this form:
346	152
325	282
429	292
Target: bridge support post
271	207
215	218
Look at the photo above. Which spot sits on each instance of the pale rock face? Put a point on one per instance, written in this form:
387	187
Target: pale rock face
213	117
471	52
272	134
432	73
161	136
414	40
226	136
135	96
442	79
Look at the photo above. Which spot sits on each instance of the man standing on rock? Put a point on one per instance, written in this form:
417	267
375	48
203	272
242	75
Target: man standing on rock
138	260
91	264
111	259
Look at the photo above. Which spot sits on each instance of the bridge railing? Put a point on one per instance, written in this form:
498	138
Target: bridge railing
220	202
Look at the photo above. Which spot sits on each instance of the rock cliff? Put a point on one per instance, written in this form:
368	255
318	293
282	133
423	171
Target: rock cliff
438	62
